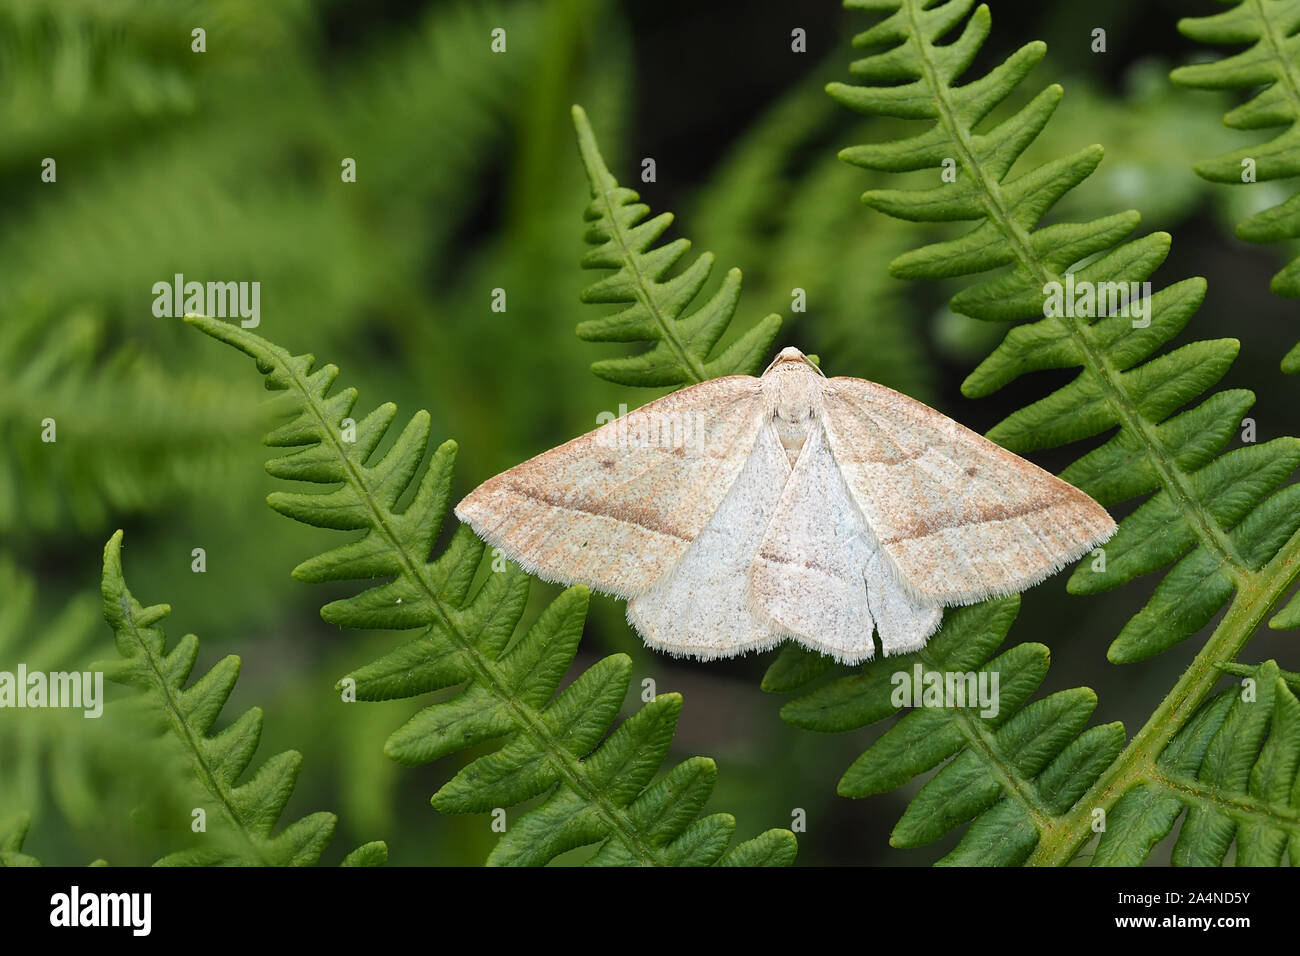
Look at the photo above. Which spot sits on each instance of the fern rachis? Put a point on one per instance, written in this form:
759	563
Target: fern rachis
1231	541
1037	753
247	811
595	793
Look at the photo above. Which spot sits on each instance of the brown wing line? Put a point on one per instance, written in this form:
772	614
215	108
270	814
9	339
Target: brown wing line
987	514
647	521
619	518
967	519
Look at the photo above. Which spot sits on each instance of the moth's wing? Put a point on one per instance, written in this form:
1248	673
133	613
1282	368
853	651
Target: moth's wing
903	618
702	607
618	507
818	573
961	518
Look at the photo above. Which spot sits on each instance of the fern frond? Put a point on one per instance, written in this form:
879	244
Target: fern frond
1220	522
13	833
1222	526
1270	70
1248	670
74	74
775	202
128	218
43	750
656	304
1015	777
128	436
1010	775
436	76
595	793
247	812
1232	768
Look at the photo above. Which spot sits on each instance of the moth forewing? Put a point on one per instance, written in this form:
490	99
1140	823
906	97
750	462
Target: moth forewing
616	508
962	518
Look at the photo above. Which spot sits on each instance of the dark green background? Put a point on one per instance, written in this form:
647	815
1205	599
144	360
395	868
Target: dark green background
225	166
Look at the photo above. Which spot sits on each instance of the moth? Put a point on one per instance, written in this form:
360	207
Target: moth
742	512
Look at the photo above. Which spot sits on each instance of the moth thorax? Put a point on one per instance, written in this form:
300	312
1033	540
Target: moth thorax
792	434
791	393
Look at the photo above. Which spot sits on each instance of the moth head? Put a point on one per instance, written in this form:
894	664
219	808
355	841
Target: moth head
791	389
792	358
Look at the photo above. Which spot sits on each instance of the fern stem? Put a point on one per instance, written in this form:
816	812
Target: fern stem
603	193
171	703
1255	600
980	739
485	670
1257	593
1242	809
1016	788
1248	670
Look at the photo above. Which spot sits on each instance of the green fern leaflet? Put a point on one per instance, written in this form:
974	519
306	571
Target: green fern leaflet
596	793
656	305
247	812
1221	522
13	833
1270	69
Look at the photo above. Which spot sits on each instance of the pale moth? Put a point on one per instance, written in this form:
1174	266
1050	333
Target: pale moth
742	512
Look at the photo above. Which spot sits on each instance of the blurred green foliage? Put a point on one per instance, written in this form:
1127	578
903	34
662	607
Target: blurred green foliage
226	166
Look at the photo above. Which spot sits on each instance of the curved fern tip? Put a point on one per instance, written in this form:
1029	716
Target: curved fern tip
368	854
601	178
113	552
1291	363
